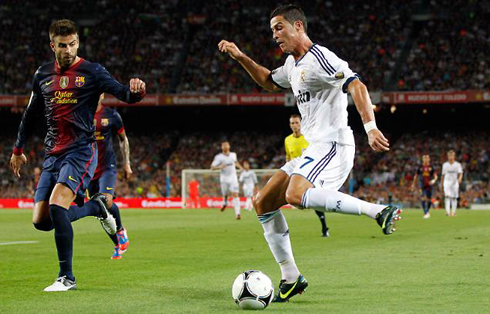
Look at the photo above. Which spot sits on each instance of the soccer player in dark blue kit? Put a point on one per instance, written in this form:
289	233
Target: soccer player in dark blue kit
425	177
109	124
68	91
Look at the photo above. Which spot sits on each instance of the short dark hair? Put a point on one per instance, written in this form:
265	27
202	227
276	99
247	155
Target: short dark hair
295	115
291	13
62	28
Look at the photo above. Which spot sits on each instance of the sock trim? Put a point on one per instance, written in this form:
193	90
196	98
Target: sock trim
268	216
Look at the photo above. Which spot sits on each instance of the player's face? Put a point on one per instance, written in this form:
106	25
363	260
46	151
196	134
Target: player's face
65	49
295	124
426	159
246	165
285	34
225	147
451	157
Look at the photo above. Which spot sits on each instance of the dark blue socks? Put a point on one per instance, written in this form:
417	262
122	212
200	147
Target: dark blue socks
90	208
63	236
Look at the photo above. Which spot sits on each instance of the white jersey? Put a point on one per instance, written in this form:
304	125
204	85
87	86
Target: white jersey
319	81
248	178
228	173
451	172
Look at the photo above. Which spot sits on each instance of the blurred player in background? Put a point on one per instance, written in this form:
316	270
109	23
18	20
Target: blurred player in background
67	92
194	186
320	82
452	175
294	146
226	161
108	124
425	177
249	179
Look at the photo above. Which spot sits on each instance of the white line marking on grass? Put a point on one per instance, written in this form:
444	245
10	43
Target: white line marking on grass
18	242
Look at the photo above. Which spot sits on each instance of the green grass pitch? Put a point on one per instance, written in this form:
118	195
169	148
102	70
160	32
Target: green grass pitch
185	261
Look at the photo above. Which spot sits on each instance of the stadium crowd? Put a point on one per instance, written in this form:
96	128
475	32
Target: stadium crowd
376	177
147	39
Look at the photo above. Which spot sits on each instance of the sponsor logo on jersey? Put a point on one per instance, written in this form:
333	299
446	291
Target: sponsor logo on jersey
339	75
49	82
72	179
79	81
64	80
108	188
104	122
63	98
303	97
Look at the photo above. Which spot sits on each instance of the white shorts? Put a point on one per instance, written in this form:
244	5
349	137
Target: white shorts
248	190
325	165
228	187
451	190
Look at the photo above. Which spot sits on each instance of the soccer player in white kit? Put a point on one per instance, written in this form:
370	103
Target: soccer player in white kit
320	82
226	161
452	175
248	178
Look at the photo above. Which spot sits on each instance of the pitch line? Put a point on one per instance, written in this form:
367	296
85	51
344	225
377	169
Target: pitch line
18	242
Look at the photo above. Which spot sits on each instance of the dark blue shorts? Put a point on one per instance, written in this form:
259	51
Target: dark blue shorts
74	168
427	193
106	183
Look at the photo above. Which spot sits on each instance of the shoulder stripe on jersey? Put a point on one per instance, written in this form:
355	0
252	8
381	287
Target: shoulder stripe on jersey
323	61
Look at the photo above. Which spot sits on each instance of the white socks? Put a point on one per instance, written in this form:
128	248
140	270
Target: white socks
451	205
236	203
276	233
334	201
248	204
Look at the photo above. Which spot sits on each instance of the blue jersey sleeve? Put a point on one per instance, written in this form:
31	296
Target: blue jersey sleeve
27	123
118	125
108	84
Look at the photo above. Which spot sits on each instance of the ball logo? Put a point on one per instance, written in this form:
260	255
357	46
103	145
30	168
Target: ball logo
64	81
79	81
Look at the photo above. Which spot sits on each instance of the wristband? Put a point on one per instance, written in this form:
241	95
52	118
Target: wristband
18	151
371	125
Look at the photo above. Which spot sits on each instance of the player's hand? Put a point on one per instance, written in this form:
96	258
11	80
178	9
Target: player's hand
16	162
128	172
137	86
378	141
230	48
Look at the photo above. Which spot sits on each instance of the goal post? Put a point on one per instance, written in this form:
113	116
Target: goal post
205	183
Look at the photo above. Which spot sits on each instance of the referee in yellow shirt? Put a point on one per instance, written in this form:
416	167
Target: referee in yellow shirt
294	145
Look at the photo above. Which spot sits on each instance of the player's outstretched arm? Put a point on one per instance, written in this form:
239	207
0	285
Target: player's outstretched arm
108	84
260	74
360	95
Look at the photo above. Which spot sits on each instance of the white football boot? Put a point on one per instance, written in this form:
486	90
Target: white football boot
62	284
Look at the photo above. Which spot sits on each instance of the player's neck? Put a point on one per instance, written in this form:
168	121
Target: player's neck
302	48
297	134
75	61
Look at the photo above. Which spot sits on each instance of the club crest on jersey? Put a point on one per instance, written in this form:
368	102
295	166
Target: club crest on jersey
104	122
79	81
302	76
64	80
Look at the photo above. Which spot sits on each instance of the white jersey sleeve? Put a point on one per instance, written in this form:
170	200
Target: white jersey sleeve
216	161
333	70
254	176
444	168
460	168
280	76
242	177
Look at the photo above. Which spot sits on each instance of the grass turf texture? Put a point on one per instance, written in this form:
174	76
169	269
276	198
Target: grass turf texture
185	261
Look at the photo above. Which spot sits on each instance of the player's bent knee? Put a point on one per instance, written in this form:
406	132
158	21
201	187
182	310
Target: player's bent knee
293	198
109	199
45	225
259	204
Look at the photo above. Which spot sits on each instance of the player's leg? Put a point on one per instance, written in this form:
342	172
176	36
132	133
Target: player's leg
321	216
40	214
236	199
322	170
267	203
447	203
454	206
225	186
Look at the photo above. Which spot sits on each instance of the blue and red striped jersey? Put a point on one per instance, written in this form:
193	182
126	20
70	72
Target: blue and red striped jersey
108	123
69	99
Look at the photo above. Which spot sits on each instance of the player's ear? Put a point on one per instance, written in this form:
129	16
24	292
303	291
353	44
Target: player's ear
51	45
298	25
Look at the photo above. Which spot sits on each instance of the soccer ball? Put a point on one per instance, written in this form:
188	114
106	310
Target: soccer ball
252	290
